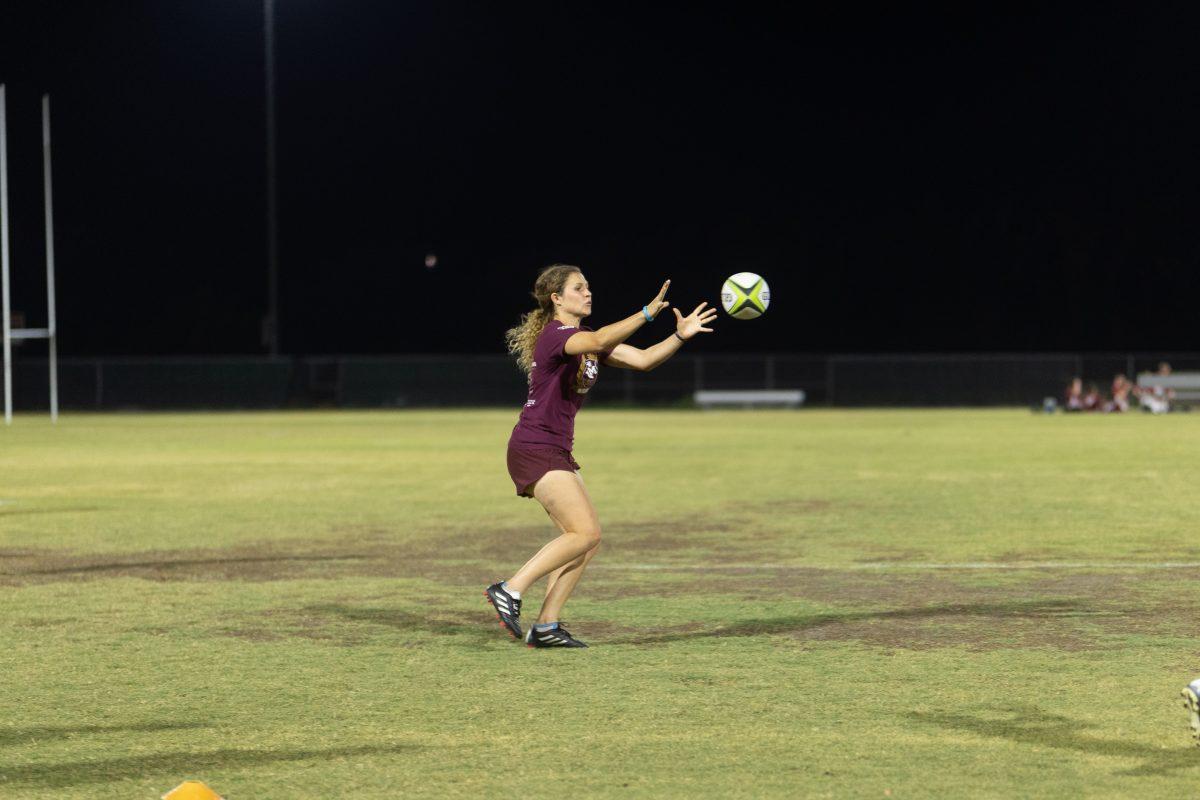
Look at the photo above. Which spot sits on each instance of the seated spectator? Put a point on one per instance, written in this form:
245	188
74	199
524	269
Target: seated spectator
1156	398
1121	387
1073	401
1092	401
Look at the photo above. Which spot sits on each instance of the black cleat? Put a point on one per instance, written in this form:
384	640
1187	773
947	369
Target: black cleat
508	609
555	637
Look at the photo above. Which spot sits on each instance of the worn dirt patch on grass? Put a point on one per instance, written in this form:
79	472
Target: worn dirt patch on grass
634	538
976	626
266	562
895	608
669	527
920	610
456	556
46	622
366	554
350	625
799	506
877	553
903	588
16	512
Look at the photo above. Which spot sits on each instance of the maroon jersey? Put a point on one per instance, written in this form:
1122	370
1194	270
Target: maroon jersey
558	385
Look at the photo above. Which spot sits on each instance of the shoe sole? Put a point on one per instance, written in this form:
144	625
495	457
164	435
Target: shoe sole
503	624
529	643
1192	703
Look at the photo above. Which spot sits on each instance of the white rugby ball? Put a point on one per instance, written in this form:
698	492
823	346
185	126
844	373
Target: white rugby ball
745	295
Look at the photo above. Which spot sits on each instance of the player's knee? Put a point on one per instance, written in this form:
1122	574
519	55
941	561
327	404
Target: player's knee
592	534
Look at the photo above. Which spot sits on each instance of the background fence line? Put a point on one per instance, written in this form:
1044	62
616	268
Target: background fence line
349	381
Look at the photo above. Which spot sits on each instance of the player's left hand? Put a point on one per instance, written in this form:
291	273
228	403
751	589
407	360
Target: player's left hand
694	323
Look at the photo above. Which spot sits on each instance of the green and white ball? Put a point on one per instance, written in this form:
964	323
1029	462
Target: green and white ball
745	295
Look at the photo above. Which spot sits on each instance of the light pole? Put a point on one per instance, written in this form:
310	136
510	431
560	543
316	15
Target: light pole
271	323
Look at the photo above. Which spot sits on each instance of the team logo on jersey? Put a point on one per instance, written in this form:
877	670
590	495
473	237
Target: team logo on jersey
589	370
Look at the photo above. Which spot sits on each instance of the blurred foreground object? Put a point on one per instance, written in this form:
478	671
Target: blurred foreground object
192	790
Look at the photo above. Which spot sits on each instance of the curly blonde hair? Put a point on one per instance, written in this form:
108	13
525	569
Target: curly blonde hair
522	339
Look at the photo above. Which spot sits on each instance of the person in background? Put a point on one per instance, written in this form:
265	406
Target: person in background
1073	400
1092	401
1157	398
1121	387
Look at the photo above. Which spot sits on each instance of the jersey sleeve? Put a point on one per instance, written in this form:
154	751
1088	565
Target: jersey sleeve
554	341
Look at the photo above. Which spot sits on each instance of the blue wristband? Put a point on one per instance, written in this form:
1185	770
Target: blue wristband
646	314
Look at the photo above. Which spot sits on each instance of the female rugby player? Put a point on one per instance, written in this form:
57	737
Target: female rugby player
562	357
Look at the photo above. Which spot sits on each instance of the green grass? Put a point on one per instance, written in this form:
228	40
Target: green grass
289	606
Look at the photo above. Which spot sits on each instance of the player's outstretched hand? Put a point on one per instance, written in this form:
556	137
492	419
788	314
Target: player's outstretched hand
694	323
658	303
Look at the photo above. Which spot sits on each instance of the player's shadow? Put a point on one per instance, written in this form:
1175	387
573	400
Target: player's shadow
171	765
800	623
439	623
43	733
1031	726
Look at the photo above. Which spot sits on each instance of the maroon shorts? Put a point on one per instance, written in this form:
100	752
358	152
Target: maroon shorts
526	465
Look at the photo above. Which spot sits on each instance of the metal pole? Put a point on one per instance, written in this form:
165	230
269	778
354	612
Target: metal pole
829	373
4	256
272	332
51	317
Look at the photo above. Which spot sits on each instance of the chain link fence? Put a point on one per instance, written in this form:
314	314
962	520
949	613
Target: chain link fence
493	380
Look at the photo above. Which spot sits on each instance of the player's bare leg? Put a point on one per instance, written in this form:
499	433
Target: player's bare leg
560	590
563	496
562	581
565	499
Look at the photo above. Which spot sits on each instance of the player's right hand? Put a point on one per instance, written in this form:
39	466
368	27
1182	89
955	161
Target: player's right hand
658	303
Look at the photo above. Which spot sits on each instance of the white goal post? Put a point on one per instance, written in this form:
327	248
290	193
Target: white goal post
50	332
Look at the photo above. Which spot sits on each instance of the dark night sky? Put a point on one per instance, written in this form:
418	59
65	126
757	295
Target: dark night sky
925	179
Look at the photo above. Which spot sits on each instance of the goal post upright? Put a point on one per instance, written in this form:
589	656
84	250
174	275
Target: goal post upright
50	332
4	256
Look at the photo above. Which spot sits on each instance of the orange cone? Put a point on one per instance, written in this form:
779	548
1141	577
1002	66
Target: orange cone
192	790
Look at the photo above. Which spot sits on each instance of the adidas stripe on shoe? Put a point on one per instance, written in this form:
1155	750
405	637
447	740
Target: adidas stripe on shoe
558	636
508	609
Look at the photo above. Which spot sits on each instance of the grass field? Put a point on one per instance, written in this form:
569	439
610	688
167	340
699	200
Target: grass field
788	604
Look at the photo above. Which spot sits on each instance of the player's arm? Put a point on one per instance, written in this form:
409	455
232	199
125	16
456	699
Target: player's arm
608	337
629	357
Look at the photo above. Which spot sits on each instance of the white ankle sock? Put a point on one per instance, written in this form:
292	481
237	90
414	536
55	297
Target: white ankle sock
513	592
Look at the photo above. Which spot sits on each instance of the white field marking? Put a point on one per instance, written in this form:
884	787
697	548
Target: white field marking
895	566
